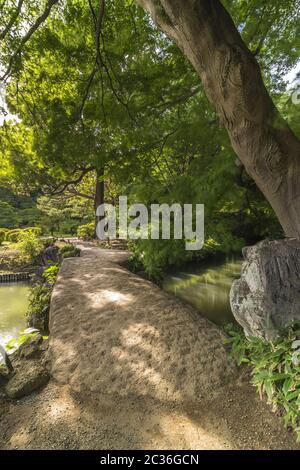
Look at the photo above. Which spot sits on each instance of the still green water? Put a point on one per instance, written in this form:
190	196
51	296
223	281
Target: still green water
13	306
207	287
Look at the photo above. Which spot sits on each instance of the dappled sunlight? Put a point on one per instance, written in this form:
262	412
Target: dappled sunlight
179	427
145	380
20	438
63	354
140	368
141	352
107	296
62	408
142	359
122	335
137	334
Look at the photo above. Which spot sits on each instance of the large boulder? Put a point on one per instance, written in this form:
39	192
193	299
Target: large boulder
49	255
267	296
30	377
32	347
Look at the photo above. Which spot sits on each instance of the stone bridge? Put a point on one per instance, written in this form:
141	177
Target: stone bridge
114	332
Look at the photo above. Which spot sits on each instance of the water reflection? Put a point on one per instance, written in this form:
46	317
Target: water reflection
207	287
13	306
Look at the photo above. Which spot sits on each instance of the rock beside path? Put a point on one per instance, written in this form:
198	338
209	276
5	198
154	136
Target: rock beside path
32	347
32	376
267	296
29	372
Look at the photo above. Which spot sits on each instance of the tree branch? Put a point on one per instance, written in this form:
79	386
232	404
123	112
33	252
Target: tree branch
40	20
64	185
13	19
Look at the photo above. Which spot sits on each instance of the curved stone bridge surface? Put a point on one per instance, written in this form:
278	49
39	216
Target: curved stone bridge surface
134	368
113	332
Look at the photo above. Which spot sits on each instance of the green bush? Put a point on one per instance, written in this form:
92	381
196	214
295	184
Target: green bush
12	236
65	248
69	251
275	369
38	308
40	297
50	274
157	256
16	235
87	231
30	246
71	254
37	231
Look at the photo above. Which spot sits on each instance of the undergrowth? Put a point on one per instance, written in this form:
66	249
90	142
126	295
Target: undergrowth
275	369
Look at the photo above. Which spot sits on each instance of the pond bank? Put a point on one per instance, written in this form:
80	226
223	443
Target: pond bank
135	368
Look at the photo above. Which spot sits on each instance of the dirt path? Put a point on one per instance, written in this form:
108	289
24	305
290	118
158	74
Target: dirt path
134	368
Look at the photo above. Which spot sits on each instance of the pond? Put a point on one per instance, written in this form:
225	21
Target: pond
207	287
13	306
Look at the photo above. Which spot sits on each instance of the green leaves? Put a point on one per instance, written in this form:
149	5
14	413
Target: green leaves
275	371
50	274
15	343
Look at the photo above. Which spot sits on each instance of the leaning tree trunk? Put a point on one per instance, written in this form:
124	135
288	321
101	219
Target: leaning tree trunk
233	83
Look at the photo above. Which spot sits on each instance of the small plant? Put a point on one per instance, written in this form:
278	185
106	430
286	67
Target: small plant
50	274
15	343
87	231
275	369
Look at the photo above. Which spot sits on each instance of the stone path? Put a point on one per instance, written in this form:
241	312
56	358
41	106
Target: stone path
114	332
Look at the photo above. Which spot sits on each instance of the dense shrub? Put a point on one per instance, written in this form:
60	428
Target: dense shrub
37	231
275	368
29	246
87	231
16	235
157	256
12	236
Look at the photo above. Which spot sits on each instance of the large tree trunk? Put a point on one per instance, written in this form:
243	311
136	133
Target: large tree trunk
233	83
